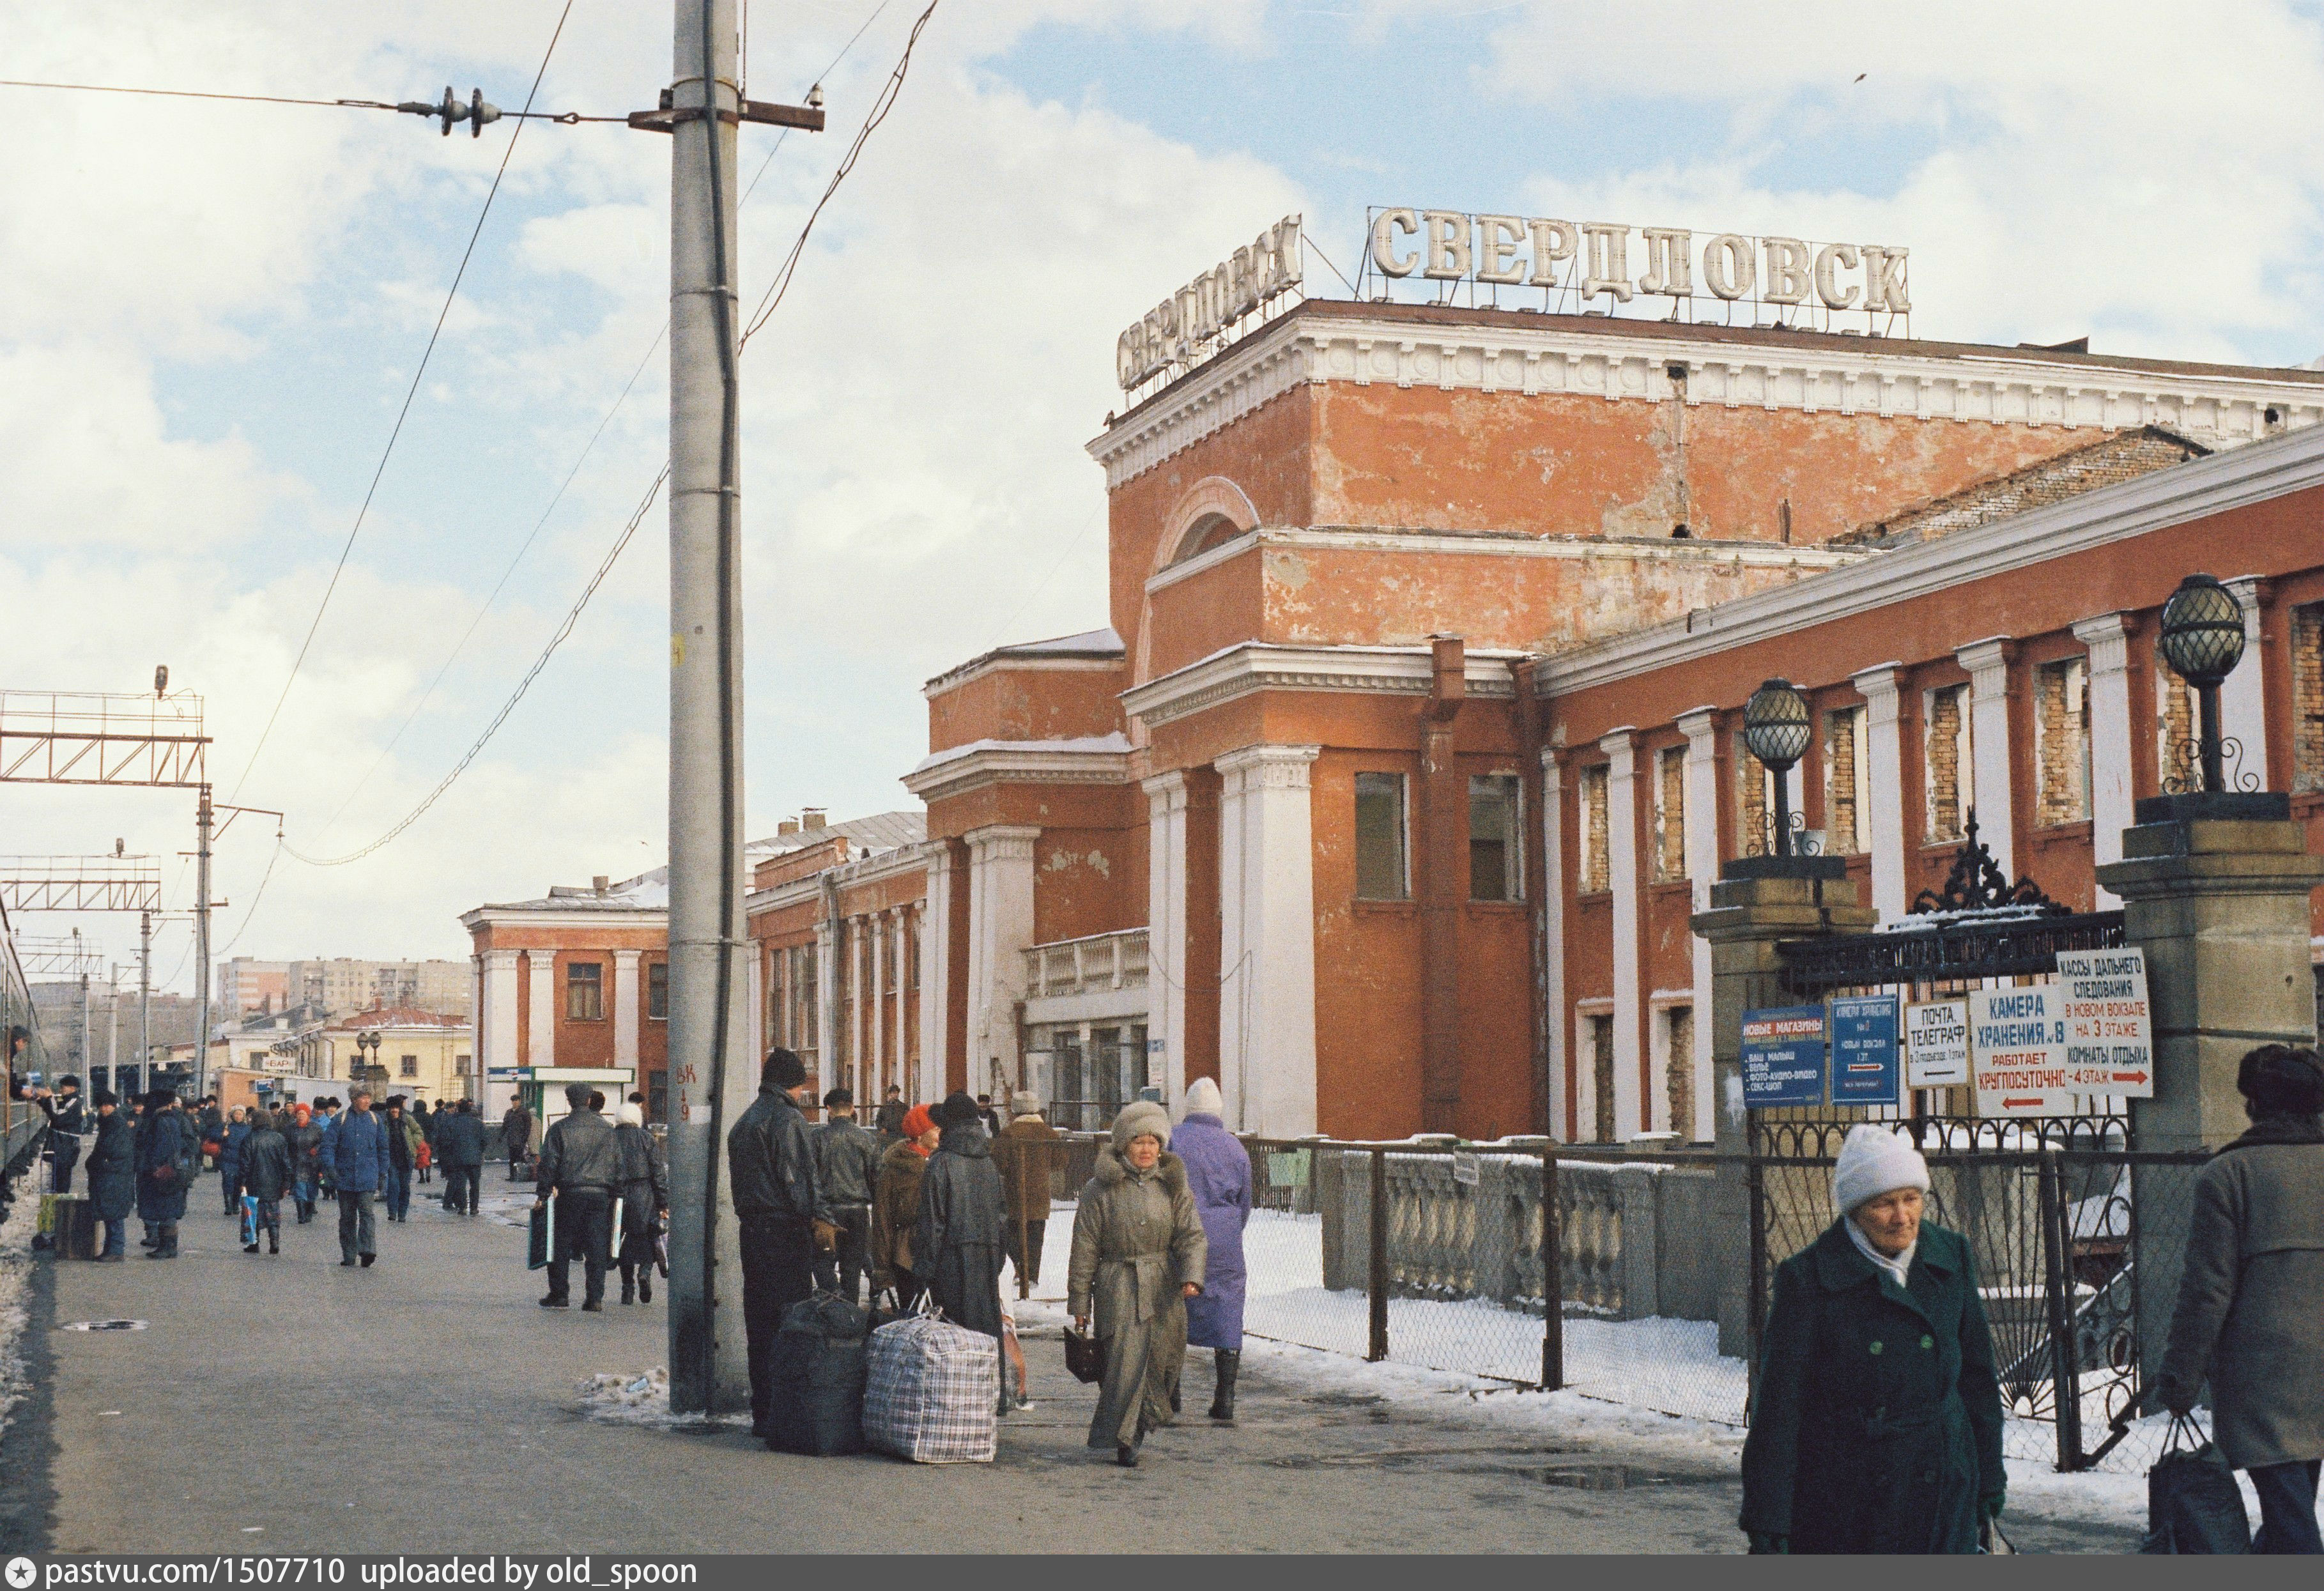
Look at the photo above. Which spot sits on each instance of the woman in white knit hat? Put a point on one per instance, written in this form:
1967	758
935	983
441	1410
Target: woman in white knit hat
1877	1425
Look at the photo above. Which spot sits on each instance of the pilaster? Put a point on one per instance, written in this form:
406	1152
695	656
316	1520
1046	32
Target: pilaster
1165	924
1883	803
1632	1110
1987	663
1267	903
1701	728
2106	635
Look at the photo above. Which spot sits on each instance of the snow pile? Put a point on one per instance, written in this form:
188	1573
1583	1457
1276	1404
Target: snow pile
630	1399
16	1275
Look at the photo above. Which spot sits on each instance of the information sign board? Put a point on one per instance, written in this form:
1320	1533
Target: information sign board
2109	1024
1864	1070
1784	1055
1936	1043
2017	1051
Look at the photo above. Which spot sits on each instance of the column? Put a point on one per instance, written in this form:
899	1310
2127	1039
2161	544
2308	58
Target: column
1633	1109
1166	926
540	1010
1556	1026
1884	802
496	1036
935	978
1987	663
2107	637
628	1013
756	989
1001	928
826	1001
900	959
876	1057
2243	699
1701	728
1267	1008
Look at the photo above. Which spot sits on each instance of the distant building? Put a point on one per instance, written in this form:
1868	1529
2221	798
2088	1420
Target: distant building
340	984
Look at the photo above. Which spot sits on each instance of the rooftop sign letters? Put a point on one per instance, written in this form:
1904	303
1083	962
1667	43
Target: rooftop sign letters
1612	260
1181	329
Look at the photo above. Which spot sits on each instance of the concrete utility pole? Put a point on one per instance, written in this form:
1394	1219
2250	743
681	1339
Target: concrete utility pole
83	1057
145	1000
202	816
112	1030
711	1074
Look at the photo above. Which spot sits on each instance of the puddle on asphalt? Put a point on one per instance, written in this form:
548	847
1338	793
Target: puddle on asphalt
1567	1472
103	1326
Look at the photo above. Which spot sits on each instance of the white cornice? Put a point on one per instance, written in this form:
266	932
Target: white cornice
1018	663
1256	665
2190	491
871	870
1512	544
558	917
1995	386
1099	760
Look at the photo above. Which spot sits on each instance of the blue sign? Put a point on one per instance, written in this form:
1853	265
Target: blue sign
1864	1066
1783	1056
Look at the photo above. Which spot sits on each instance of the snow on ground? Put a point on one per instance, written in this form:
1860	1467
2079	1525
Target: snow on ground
16	1274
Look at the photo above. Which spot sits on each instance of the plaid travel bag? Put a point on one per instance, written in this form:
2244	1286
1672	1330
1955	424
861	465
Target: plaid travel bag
934	1390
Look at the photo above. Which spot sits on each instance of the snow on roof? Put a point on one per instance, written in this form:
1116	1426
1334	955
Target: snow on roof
1115	743
650	891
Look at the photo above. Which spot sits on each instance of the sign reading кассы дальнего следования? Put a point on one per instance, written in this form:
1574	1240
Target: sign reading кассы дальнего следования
1180	328
1593	259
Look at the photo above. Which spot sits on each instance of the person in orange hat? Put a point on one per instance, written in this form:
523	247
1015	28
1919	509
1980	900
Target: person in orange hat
896	1206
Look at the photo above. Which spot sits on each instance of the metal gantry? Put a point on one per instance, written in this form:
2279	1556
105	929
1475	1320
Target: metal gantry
93	737
81	883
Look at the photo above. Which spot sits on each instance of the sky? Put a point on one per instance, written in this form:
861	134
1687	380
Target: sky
210	315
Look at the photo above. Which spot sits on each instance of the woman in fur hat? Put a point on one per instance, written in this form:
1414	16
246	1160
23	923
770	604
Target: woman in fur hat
1139	1255
1878	1426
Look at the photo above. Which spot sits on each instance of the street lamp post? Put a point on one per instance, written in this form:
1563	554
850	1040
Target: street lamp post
2202	640
1776	728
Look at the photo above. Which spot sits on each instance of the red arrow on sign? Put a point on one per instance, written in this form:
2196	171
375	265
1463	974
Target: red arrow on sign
2130	1076
2009	1103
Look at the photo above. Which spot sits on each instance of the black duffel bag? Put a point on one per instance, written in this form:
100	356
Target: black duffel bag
2192	1502
820	1362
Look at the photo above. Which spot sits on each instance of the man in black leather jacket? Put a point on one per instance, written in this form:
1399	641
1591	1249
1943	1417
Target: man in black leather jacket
580	1168
782	1215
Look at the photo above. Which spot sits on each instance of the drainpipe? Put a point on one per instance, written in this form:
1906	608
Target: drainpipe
1536	882
1444	876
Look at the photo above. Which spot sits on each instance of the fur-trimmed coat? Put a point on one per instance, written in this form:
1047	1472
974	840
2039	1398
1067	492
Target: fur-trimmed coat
1137	1242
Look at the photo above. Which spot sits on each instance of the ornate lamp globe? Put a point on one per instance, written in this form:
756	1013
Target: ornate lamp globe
2202	636
1776	724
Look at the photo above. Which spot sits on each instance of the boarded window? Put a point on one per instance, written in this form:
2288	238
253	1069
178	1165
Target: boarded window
2061	742
1947	757
658	991
1755	803
1380	837
1495	861
2176	760
409	1068
2308	697
1678	1069
1601	1072
1847	782
1670	813
1595	873
585	991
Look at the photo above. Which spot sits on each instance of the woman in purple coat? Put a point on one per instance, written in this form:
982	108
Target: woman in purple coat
1218	1175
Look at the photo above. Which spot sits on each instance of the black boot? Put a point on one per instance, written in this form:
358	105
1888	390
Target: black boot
251	1247
1228	1361
1126	1456
1174	1391
645	1284
273	1240
629	1288
167	1246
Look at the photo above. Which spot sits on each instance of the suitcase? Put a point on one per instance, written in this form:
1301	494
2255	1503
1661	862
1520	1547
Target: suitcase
542	1237
933	1391
77	1229
821	1362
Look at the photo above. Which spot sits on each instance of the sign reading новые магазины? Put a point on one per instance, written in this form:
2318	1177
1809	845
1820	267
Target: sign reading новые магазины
1783	1056
1593	259
1180	328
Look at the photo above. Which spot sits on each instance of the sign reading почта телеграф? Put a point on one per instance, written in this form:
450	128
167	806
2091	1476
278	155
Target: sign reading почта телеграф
1936	1043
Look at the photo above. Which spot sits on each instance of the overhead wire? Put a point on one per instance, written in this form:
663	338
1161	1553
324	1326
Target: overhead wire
587	448
411	392
564	118
768	302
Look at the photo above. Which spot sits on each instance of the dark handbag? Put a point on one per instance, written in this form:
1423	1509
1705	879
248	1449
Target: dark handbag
2192	1502
1085	1356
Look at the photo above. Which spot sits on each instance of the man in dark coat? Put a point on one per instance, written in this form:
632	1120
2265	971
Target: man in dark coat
889	1123
1877	1423
581	1169
1026	1153
167	1152
265	1166
305	1138
112	1176
847	1167
779	1208
355	1157
68	1122
460	1145
516	1137
956	1244
645	1199
2250	1312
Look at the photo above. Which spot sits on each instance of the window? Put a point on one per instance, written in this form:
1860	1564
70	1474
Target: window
1952	782
1755	803
1380	837
585	991
2061	742
913	927
1670	815
1594	869
1496	862
460	1064
2308	697
1602	1074
1847	782
1678	1069
411	1067
2175	728
658	991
